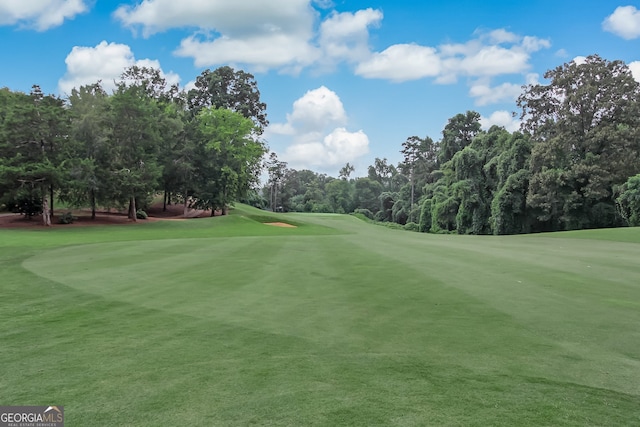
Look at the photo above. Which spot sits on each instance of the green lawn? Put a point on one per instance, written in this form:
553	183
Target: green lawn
226	321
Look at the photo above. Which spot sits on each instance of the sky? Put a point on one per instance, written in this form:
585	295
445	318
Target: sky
344	81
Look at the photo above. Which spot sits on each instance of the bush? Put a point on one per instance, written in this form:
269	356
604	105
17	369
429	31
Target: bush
365	212
140	214
411	226
67	218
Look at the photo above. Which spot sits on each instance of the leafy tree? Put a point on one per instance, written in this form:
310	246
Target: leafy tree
238	155
276	170
34	127
457	134
88	154
135	138
346	171
226	88
419	160
628	201
339	195
366	193
586	128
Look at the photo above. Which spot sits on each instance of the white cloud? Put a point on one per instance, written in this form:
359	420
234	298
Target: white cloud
503	36
495	53
317	134
534	44
401	62
579	60
234	19
105	62
262	35
500	118
336	149
39	14
485	94
634	67
261	52
317	110
345	36
495	60
623	22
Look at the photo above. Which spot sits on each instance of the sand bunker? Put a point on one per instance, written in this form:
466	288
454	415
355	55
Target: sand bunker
280	224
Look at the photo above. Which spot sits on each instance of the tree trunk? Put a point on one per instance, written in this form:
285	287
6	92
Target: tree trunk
46	213
164	201
51	198
186	204
93	204
132	209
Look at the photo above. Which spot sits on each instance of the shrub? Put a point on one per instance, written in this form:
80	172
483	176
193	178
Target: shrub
67	218
365	212
140	214
411	226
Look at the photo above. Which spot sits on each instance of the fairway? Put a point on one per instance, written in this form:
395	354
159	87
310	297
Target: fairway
228	321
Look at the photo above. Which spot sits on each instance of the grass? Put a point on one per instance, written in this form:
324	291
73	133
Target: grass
226	321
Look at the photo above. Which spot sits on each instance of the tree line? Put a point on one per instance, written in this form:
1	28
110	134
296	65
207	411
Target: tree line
574	164
200	147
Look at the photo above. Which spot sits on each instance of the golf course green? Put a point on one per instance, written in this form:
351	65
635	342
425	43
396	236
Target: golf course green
227	321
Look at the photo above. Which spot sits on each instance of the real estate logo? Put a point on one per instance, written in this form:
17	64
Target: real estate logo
31	416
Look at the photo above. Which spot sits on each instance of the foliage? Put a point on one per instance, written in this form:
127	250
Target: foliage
67	218
628	201
366	212
412	226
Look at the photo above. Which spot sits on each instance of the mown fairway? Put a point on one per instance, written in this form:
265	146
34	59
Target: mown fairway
227	321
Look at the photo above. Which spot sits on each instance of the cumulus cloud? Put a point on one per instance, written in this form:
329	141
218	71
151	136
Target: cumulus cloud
490	54
484	94
317	132
634	67
105	62
336	149
40	14
623	22
401	62
229	18
262	35
345	36
579	60
500	118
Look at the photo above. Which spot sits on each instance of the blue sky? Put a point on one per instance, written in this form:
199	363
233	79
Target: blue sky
344	81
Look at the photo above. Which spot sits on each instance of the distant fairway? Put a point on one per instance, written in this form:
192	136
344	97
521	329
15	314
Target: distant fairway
227	321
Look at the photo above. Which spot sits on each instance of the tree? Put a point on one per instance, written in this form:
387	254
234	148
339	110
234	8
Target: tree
457	134
88	155
34	127
229	89
419	160
346	170
366	193
229	138
628	201
585	125
135	139
276	170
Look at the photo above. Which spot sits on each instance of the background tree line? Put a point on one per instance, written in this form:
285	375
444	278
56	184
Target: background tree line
574	164
201	148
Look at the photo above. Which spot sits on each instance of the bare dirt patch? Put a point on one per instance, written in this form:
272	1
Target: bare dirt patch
110	217
280	224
